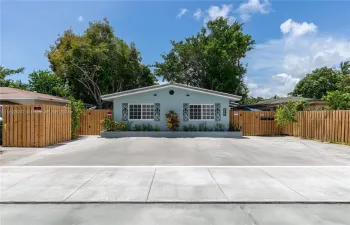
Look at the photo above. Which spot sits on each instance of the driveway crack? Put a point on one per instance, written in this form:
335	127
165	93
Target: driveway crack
150	187
218	185
249	215
82	185
283	184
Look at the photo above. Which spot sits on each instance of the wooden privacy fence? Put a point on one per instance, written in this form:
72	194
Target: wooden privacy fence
90	121
255	123
331	126
35	126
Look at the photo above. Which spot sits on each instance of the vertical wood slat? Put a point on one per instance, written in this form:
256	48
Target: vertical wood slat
22	127
331	126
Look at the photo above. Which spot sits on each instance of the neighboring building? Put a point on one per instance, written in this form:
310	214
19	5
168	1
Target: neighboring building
193	105
14	96
271	104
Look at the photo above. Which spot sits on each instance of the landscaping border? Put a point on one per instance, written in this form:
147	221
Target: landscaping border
172	134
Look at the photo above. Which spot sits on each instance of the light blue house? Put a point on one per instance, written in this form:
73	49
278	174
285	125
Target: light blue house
193	105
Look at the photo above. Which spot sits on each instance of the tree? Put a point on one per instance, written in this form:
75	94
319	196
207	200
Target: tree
337	100
97	63
19	85
345	67
7	72
43	81
252	100
210	59
317	83
285	113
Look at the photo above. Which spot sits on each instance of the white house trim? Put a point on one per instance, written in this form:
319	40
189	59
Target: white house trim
148	89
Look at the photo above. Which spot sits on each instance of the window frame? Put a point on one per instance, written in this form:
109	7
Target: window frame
151	104
201	119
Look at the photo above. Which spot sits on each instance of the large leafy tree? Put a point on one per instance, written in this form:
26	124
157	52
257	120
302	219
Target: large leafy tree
210	59
7	72
97	63
337	100
317	83
44	81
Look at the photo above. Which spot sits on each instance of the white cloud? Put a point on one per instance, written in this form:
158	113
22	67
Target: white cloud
198	14
182	12
247	9
81	19
216	11
274	67
297	29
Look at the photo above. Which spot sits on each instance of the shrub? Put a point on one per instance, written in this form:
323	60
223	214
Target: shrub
286	113
156	128
204	127
137	127
173	122
147	127
219	127
77	110
108	124
128	126
192	127
185	127
233	127
111	125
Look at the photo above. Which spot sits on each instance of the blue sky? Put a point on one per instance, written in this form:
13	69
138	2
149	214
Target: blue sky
292	37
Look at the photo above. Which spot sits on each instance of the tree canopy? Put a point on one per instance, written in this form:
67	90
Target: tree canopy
44	81
7	72
97	63
210	59
318	82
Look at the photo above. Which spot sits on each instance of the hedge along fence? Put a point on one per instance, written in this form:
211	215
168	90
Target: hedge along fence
35	126
90	121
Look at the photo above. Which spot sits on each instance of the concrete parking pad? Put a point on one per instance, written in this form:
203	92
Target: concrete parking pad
252	184
311	184
298	214
175	214
340	173
10	177
125	184
176	184
248	151
50	185
185	184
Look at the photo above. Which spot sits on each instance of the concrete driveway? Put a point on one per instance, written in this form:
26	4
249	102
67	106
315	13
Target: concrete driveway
174	214
249	151
175	184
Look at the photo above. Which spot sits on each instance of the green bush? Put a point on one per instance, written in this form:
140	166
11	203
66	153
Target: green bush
204	127
156	128
285	113
108	124
219	127
147	127
111	125
77	108
137	127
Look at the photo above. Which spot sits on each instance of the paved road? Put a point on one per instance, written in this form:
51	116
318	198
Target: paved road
174	214
175	184
250	151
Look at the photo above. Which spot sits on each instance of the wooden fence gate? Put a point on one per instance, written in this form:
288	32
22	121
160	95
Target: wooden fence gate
90	121
255	123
